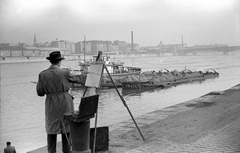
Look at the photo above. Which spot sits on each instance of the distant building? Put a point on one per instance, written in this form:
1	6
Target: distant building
114	47
172	47
161	48
98	45
132	47
20	50
45	51
78	47
71	48
64	44
122	45
31	51
93	46
59	44
82	47
10	50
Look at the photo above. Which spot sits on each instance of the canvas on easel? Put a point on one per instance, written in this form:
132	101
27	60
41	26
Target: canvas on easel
93	80
94	75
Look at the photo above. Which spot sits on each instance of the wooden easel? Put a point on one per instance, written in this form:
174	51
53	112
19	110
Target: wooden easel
94	80
97	86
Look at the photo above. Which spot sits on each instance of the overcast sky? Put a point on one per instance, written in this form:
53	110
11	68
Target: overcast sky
152	21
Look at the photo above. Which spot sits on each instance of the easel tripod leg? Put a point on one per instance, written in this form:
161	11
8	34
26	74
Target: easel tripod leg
124	102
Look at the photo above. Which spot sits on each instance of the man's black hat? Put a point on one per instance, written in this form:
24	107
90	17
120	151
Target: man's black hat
55	56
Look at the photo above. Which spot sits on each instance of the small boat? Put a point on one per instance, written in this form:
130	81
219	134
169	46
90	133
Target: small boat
118	72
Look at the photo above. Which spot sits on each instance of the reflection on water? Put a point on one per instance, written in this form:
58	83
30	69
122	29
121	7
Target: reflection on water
22	111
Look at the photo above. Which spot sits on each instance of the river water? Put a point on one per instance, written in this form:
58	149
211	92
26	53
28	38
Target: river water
22	111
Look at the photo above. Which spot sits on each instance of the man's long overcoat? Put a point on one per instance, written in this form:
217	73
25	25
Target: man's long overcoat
55	83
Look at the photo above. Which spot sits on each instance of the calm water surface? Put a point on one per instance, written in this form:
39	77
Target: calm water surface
22	111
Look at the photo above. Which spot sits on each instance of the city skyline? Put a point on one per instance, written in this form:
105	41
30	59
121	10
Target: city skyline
199	21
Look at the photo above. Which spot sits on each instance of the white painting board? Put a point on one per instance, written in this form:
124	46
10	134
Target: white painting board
94	75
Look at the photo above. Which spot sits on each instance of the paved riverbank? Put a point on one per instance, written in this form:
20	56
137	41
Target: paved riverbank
210	123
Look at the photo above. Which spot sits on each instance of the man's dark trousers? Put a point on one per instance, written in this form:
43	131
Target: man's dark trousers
52	143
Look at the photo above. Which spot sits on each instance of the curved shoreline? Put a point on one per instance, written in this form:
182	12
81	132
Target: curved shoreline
67	57
80	57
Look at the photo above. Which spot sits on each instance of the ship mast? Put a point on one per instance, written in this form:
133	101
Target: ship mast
182	43
84	48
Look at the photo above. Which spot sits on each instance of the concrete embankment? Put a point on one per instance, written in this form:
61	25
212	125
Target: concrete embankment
208	123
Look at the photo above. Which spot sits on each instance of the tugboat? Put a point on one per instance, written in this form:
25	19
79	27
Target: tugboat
117	70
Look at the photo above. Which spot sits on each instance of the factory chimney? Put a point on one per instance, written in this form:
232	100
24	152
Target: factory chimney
34	40
132	39
182	43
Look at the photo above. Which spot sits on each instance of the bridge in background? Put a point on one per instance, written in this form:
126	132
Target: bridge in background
197	50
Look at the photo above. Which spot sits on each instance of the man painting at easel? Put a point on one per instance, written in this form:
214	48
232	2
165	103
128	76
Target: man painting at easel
55	83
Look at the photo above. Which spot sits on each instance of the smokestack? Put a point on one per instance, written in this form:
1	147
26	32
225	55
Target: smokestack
34	40
132	39
182	40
